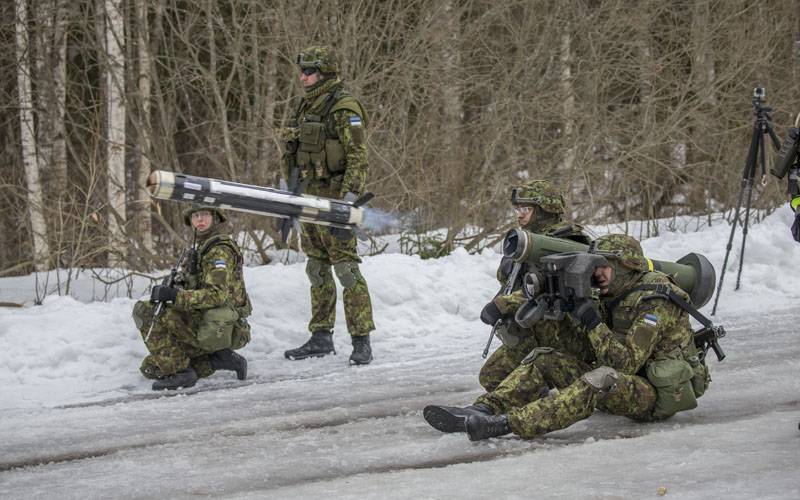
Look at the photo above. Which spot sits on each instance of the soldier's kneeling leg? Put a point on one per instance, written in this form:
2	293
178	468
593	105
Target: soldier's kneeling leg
142	314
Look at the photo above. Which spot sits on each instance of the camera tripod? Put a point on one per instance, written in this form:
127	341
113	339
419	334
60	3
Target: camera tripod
755	155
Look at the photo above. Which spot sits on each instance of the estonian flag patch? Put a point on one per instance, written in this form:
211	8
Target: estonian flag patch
650	319
355	121
220	264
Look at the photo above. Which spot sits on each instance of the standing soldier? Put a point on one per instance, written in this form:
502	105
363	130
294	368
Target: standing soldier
326	155
647	366
204	320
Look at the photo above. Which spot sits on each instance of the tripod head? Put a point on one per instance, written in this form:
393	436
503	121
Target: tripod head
763	116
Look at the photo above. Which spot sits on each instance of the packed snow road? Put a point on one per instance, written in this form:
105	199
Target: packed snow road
357	432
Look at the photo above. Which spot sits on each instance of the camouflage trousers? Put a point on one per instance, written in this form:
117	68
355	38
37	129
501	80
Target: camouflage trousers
519	342
174	343
507	357
324	250
531	414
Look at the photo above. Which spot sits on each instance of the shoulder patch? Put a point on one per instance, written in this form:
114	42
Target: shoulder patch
355	121
650	319
220	264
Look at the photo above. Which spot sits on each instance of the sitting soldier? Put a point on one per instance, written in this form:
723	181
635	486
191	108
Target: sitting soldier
646	364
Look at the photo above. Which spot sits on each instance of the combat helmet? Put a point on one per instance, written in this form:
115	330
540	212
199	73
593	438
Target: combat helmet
323	58
218	213
539	193
621	249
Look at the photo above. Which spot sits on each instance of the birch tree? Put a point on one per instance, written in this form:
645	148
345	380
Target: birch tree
142	198
30	156
115	140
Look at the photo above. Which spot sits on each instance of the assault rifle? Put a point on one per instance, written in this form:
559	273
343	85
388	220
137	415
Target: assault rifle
168	281
707	337
507	289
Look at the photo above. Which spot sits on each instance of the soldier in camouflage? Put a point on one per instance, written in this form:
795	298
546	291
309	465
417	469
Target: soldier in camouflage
646	365
540	209
326	152
204	320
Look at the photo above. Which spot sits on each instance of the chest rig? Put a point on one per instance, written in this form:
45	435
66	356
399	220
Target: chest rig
320	154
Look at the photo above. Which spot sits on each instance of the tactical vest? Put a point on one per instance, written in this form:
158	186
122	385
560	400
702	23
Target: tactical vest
320	154
243	306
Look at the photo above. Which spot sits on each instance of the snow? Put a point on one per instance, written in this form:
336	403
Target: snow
77	419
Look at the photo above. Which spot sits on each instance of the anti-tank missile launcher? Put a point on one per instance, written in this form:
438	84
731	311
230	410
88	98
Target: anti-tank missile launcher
257	199
692	272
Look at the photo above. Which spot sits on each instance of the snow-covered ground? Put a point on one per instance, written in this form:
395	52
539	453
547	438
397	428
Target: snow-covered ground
77	420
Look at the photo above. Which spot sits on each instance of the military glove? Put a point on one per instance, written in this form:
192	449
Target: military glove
491	313
584	313
796	227
163	293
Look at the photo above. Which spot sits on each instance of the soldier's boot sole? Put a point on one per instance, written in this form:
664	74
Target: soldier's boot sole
183	379
298	357
445	418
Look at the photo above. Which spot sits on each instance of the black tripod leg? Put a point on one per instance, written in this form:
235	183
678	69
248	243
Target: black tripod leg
751	175
748	166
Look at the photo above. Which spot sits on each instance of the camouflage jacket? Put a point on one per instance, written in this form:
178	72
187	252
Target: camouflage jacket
642	326
331	151
218	279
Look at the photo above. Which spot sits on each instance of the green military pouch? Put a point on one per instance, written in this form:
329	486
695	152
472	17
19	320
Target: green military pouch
672	379
334	156
215	328
312	137
240	336
701	378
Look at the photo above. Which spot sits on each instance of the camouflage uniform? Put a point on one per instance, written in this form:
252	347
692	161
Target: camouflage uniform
209	313
326	143
647	366
548	219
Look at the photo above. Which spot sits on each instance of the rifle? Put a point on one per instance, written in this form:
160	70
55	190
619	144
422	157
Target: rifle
292	185
507	289
707	337
168	281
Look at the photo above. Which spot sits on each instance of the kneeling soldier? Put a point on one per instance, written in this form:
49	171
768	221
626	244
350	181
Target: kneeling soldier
204	320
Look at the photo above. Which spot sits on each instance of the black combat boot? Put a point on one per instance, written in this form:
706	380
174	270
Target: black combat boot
362	351
184	378
485	427
320	344
226	359
453	418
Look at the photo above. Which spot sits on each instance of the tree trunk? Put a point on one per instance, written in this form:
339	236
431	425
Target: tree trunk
30	157
142	198
569	172
115	144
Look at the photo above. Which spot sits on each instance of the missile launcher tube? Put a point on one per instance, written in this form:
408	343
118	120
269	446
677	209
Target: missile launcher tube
692	272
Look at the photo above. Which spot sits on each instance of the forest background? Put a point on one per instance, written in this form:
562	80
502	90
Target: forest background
639	109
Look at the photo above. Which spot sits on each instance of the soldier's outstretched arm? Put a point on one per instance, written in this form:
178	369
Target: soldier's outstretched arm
629	354
350	128
215	283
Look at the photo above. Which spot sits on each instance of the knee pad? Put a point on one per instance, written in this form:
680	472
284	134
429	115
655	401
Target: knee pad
316	270
142	312
601	379
347	272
